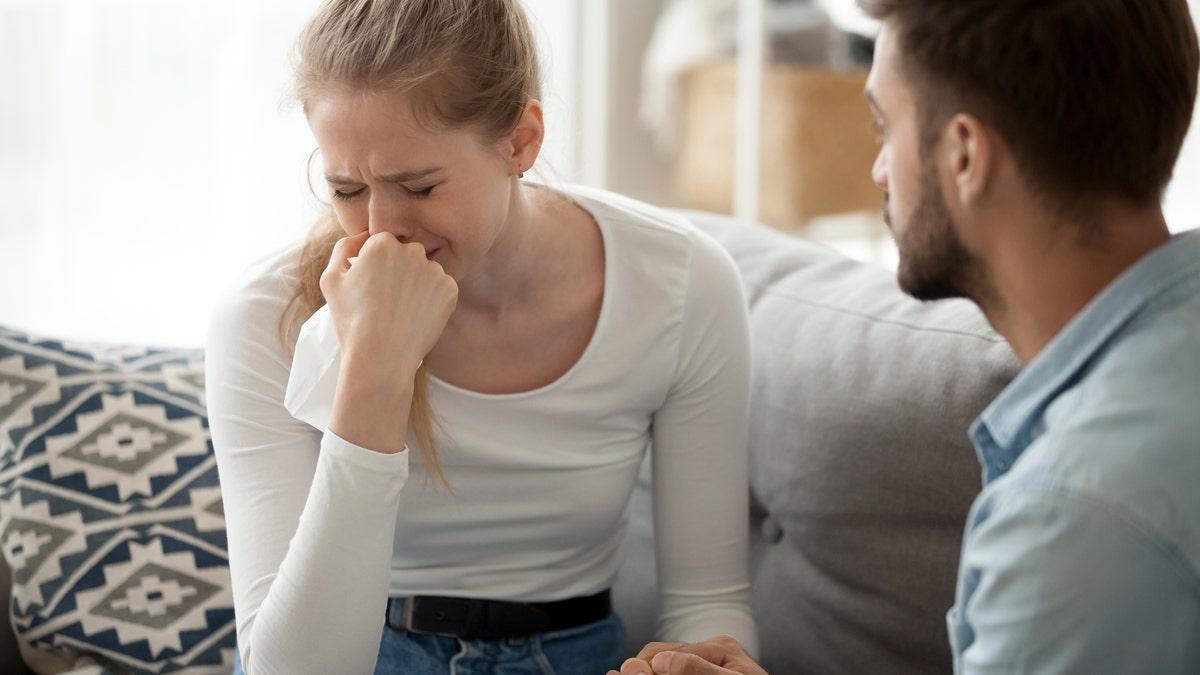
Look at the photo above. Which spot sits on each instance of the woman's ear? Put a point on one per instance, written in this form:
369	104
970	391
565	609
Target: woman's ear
525	142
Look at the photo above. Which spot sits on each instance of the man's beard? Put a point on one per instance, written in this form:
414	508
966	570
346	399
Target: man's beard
934	264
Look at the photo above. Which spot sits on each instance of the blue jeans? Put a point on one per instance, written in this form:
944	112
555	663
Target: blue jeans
591	649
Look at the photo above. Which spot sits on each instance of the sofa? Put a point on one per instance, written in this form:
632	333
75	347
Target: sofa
861	476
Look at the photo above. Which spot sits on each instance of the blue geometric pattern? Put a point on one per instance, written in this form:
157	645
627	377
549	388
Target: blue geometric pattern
110	508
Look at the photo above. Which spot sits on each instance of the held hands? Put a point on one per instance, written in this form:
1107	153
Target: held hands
721	655
391	303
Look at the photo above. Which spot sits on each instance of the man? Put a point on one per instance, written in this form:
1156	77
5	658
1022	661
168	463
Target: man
1026	147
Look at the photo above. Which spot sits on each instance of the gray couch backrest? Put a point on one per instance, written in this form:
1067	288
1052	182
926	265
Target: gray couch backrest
861	471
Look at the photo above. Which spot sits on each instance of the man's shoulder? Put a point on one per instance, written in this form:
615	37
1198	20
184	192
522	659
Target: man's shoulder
1125	437
1144	385
1057	556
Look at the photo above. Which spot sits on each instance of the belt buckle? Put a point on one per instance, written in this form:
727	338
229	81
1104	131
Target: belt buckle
410	615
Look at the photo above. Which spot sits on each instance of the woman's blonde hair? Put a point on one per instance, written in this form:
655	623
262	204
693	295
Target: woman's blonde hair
471	64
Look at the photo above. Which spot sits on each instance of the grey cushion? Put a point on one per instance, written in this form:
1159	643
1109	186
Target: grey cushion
861	471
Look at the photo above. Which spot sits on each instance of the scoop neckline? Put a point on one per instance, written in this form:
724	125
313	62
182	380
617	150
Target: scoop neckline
601	320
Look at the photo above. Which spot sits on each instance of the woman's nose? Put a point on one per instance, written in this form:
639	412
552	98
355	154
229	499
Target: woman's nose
388	216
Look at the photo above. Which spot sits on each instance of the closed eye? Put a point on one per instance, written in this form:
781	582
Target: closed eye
347	196
420	194
877	130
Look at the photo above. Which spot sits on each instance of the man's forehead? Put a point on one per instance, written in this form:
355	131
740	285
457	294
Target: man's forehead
885	53
884	83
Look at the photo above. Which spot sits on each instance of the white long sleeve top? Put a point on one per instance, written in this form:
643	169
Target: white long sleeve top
322	532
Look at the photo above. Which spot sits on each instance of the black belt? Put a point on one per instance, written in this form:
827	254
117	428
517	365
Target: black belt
472	619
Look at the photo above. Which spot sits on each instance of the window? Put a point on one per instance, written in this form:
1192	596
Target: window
150	153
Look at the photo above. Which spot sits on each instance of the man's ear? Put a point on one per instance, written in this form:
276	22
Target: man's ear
525	142
969	154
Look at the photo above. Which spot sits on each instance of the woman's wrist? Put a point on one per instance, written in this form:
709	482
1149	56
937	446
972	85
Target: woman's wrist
372	403
375	367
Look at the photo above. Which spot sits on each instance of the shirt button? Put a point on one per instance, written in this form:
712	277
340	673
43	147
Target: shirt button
771	531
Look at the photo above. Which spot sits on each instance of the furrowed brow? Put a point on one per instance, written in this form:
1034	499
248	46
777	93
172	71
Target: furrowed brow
334	179
406	176
398	177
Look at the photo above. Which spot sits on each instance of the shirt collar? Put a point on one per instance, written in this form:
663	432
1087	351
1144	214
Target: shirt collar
1005	428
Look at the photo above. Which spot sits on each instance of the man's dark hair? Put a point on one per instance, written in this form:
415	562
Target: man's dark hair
1094	96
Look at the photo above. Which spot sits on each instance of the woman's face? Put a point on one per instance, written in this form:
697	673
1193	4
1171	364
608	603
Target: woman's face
448	191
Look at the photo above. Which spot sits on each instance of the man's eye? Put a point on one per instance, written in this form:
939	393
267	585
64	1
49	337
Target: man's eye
420	194
346	196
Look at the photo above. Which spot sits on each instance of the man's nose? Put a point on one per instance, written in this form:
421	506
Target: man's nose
879	171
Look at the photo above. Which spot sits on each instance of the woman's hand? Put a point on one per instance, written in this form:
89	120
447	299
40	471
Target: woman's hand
391	302
720	655
389	307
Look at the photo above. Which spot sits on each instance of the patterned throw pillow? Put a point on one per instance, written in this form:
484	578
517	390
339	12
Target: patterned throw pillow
110	510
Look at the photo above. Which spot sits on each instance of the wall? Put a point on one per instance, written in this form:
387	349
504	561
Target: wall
634	168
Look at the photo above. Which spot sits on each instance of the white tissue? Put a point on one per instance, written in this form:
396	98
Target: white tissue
314	375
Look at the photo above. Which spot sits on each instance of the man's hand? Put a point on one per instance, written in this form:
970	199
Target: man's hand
721	655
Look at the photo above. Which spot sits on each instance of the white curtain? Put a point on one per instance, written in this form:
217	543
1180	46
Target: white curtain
145	158
148	153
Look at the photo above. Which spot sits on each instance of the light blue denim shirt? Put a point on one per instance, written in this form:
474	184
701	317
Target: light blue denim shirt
1082	553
